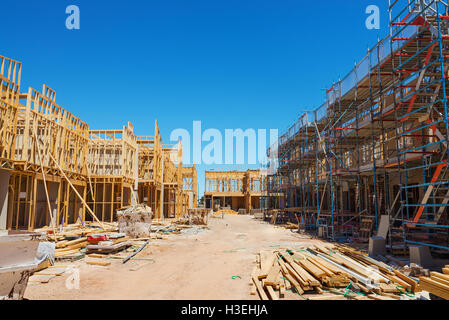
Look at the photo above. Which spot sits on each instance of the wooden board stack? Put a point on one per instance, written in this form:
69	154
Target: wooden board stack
336	269
437	283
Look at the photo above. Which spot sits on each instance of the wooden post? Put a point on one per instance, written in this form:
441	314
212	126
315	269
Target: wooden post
76	192
161	213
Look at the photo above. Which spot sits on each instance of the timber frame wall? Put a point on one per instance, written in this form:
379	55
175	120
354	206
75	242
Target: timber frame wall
111	170
59	172
234	189
161	183
190	184
378	147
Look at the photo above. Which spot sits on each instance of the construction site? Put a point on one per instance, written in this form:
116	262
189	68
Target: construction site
353	204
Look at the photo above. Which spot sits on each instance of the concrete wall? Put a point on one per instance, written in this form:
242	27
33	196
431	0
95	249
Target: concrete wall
4	183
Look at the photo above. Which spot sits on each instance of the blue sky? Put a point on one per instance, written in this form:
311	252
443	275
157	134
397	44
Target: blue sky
229	63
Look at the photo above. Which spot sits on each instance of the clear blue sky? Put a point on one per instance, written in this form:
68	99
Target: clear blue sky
229	63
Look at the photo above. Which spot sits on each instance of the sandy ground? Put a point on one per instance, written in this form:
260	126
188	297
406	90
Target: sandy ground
186	266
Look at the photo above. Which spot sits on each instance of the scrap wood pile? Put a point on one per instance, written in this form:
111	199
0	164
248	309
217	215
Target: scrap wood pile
437	283
74	238
290	225
74	241
159	229
197	216
334	269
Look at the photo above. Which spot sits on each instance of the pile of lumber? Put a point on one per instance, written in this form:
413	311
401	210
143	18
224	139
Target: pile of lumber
330	268
437	283
226	211
72	239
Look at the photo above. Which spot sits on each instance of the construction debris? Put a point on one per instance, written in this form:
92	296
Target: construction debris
223	212
329	268
135	221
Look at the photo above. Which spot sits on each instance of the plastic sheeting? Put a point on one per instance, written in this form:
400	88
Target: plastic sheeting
46	250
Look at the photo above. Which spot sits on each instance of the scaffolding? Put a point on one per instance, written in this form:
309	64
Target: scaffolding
377	147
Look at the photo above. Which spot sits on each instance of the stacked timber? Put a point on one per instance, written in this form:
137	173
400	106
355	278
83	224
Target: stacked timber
336	269
437	283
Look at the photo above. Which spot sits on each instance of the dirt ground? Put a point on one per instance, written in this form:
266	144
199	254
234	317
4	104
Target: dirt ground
187	266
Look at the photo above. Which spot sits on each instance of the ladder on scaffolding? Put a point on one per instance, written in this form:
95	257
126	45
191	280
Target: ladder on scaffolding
422	89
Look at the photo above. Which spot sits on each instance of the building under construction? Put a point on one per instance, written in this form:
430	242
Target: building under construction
234	189
376	151
55	171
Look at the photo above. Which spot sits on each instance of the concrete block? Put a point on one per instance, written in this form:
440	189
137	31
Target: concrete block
421	256
377	246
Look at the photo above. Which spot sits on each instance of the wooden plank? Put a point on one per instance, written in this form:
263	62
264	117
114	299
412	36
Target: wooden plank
267	259
389	288
273	276
379	297
296	276
281	263
313	269
439	277
409	280
326	270
281	292
41	278
52	271
305	275
76	241
399	282
294	283
260	290
433	287
272	293
98	263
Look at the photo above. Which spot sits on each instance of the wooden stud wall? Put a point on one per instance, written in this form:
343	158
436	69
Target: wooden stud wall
58	133
10	76
41	142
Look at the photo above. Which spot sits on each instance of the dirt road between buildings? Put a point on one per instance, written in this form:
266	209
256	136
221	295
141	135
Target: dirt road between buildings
212	264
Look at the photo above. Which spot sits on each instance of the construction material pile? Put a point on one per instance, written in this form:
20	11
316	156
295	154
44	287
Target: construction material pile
135	221
72	239
290	226
335	269
180	226
437	283
223	212
198	216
